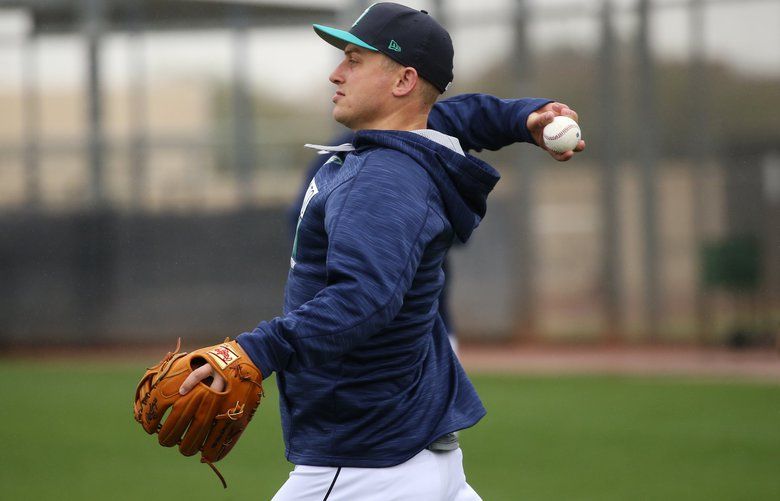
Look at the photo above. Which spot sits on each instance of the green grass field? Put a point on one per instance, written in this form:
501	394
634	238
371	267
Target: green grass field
68	433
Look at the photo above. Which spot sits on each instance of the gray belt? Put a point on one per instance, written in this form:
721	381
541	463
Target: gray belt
445	443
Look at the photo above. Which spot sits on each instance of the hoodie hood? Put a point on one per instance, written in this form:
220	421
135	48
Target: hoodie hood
463	181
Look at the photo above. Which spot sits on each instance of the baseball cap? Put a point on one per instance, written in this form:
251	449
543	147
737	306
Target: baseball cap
408	36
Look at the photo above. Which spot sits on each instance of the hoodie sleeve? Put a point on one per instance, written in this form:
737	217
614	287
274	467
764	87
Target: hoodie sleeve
481	121
376	225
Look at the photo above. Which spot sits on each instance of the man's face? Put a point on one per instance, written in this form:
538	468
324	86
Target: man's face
363	88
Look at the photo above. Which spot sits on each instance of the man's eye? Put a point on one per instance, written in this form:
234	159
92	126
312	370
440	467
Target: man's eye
352	61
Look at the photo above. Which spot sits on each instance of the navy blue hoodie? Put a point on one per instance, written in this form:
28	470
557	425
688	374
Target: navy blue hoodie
365	371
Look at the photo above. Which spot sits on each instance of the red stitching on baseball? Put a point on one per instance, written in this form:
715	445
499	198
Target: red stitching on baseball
561	133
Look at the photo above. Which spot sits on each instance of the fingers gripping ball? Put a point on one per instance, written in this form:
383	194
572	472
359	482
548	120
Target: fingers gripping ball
562	134
204	420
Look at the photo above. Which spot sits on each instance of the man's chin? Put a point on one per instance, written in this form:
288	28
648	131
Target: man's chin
342	118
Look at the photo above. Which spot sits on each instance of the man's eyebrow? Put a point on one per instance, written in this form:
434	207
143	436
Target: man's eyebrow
351	50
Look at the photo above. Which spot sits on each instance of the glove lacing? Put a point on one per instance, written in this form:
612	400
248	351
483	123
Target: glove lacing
234	414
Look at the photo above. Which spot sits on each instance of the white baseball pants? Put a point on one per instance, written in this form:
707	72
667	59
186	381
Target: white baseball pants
428	476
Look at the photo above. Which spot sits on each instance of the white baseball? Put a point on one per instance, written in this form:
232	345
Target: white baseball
562	134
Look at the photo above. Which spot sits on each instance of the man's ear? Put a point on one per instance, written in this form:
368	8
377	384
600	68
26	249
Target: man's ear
405	82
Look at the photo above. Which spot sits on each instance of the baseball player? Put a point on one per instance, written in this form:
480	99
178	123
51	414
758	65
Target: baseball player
371	393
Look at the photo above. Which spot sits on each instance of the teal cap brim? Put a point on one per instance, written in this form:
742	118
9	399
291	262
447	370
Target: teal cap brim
340	38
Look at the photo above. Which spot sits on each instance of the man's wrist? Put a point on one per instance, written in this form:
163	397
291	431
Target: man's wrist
249	342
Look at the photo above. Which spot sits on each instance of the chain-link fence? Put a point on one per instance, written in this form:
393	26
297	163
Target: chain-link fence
133	132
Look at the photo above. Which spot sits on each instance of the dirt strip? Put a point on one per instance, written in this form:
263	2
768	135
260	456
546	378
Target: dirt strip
721	363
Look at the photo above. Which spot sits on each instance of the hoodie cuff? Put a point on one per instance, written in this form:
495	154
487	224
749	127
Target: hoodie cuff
253	343
529	105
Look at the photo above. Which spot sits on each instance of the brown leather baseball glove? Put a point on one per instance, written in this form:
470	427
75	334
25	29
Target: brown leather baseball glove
204	419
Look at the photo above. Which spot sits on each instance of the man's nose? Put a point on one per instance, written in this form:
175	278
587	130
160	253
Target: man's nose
337	77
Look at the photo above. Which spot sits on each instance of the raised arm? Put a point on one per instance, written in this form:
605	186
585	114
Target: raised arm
482	121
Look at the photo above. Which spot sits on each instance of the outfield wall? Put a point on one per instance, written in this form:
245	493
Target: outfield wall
107	277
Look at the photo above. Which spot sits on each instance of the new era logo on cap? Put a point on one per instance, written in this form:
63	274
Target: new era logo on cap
408	36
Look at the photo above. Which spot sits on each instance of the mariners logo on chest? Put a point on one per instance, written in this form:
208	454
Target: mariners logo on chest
311	191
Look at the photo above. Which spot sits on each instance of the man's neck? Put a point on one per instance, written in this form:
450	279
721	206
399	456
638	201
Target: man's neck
400	119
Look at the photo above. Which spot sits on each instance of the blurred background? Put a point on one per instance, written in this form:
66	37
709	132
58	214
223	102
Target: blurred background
619	314
149	151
